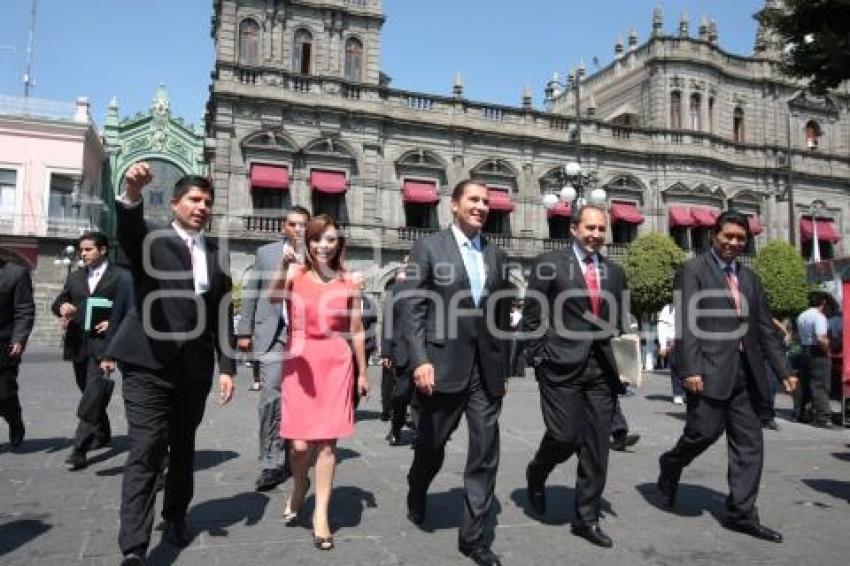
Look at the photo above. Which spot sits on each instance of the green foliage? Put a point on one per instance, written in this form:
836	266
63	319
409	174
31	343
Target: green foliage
236	292
817	33
651	261
783	274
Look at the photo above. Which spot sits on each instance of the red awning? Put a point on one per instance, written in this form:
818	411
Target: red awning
420	192
625	212
756	227
500	200
269	177
680	216
331	182
563	209
704	216
827	232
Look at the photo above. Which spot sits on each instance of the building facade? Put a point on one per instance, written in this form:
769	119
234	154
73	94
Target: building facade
675	130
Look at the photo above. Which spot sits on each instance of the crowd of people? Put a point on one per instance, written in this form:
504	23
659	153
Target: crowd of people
451	335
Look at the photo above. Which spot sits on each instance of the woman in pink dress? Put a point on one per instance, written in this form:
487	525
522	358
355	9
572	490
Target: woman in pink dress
317	405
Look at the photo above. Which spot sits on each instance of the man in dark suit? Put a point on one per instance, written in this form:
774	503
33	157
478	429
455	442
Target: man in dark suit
166	348
263	330
84	345
573	307
458	332
726	335
17	316
395	358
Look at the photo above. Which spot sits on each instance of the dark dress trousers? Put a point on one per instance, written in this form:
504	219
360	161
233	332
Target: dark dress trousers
84	349
445	328
575	368
167	347
17	316
394	346
730	356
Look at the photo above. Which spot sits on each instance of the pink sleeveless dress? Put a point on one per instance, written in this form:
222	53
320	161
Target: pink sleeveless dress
318	373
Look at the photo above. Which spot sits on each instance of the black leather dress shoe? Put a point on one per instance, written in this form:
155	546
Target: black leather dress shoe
133	559
394	438
270	479
754	529
620	443
76	461
536	493
823	424
668	485
178	533
769	424
593	533
415	509
481	555
16	432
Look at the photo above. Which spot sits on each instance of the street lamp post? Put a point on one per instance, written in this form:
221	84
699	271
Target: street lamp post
66	257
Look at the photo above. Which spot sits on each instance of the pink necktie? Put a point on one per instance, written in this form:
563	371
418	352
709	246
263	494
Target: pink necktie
732	280
592	282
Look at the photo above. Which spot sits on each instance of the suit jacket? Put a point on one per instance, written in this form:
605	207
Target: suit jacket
558	282
17	308
116	285
165	300
445	328
393	337
370	318
259	317
717	358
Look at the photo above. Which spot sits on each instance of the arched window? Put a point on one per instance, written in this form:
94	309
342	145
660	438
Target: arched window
676	110
353	60
711	114
695	110
249	42
302	52
738	125
813	132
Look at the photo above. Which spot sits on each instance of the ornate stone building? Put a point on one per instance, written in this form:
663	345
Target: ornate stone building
674	128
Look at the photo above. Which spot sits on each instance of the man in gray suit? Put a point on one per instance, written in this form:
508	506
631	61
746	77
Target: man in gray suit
262	330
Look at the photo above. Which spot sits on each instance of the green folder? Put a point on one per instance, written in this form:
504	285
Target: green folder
97	310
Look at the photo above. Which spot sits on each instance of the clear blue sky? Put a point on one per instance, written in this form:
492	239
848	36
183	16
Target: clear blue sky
101	48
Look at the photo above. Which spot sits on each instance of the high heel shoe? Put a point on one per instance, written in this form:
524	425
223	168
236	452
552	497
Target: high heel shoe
290	515
323	543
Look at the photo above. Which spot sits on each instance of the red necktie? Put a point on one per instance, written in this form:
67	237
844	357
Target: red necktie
732	280
592	281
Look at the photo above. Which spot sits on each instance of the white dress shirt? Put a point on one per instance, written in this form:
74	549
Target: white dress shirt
475	244
197	245
94	275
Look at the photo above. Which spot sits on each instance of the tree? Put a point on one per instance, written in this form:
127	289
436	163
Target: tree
817	35
651	260
783	274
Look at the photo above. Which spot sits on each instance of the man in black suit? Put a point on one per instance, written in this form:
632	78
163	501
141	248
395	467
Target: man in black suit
573	307
84	345
395	358
166	348
458	332
726	335
17	315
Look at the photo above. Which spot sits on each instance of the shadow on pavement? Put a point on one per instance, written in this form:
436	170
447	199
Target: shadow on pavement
19	532
49	445
348	506
560	505
835	488
656	397
691	500
343	454
215	517
364	415
842	456
205	459
678	416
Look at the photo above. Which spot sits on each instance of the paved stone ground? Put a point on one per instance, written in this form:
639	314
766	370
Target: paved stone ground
51	516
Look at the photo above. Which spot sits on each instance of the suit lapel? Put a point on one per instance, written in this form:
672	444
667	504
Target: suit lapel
719	278
107	276
462	280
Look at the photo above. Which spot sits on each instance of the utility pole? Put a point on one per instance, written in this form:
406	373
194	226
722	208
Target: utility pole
29	83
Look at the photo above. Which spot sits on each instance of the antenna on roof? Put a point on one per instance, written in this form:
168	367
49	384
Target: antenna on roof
28	80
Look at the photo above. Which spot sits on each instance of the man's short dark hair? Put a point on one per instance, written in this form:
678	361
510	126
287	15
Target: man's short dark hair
731	216
818	299
576	219
459	189
188	182
297	209
98	238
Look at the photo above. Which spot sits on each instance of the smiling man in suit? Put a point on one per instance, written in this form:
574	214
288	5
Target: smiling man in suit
458	332
84	347
573	307
726	335
167	347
